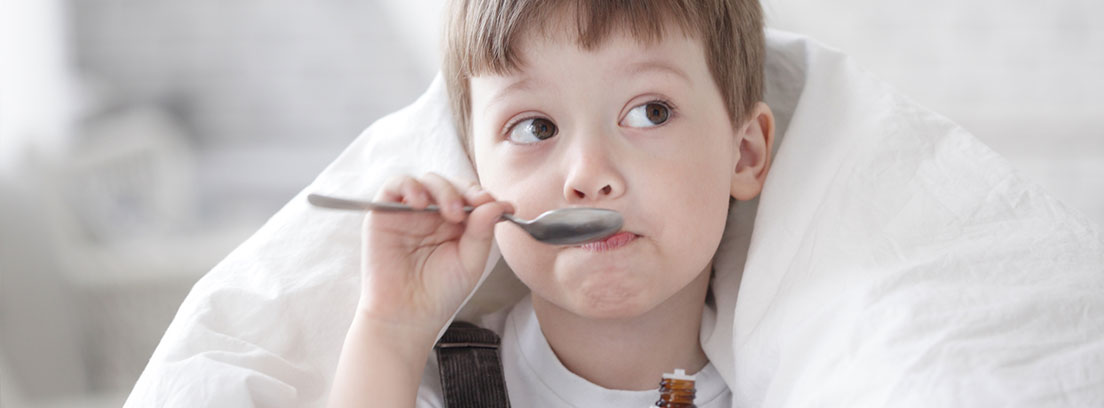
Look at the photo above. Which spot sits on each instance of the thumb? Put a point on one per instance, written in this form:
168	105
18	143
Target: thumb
475	243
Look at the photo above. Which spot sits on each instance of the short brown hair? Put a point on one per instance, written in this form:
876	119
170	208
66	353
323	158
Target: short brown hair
481	36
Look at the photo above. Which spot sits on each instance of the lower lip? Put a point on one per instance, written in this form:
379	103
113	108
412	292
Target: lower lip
612	242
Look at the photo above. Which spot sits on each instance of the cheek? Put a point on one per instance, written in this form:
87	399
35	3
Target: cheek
691	176
693	197
531	194
531	188
530	260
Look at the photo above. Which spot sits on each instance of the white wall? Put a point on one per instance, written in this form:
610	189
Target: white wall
35	83
1023	76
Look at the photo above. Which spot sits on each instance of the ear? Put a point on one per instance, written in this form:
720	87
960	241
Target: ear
752	156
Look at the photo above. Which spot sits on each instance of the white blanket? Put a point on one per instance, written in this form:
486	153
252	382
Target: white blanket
892	260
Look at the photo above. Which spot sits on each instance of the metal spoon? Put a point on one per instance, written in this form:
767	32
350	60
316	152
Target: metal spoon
564	226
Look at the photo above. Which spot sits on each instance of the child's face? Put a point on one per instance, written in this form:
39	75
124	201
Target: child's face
641	129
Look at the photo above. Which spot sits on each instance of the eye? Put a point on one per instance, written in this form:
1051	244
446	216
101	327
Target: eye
532	130
651	114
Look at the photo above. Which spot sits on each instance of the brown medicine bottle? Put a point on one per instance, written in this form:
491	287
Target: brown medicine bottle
676	390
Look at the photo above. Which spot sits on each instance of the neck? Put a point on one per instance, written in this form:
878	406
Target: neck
631	353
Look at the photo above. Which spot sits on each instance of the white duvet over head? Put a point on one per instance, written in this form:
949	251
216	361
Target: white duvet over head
891	260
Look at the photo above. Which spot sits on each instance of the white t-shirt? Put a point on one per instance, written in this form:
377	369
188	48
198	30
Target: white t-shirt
536	378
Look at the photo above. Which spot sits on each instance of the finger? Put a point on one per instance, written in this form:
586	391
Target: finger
475	243
391	191
475	195
445	194
403	189
416	194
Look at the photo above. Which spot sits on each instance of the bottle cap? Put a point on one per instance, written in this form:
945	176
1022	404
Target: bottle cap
679	374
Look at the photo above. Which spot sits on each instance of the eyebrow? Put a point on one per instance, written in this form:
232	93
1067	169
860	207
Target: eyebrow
528	83
522	84
657	66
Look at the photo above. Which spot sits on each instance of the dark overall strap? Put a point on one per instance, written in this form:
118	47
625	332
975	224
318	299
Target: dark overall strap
471	373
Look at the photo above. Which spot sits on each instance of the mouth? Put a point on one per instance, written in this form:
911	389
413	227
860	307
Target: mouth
610	243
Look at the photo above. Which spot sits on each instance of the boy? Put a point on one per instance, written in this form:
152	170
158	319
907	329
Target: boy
650	108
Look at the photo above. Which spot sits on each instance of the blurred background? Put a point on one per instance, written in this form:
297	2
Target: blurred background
142	141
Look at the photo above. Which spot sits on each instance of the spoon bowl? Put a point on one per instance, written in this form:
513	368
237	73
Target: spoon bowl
563	226
571	226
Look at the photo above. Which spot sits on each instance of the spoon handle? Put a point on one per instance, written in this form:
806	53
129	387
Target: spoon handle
335	203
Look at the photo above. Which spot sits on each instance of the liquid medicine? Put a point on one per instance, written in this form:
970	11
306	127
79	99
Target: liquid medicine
676	390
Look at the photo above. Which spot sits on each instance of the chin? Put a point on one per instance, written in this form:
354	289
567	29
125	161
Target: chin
611	303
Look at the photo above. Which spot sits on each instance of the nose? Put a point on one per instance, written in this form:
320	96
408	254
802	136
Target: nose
593	173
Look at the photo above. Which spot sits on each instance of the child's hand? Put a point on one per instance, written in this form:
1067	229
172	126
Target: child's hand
418	267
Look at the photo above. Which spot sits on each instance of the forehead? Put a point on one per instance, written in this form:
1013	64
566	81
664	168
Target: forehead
495	43
555	46
555	70
545	54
